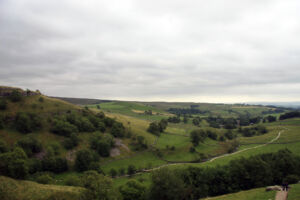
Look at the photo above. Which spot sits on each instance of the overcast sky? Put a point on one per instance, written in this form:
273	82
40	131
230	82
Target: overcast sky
162	50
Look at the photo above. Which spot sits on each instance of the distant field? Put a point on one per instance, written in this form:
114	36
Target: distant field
132	109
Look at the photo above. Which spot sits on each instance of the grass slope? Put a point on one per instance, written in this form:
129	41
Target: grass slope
258	194
11	189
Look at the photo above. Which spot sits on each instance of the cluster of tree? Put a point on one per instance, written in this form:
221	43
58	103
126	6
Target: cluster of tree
245	120
139	143
288	115
15	96
131	169
270	118
230	135
27	122
198	136
148	112
20	162
175	119
196	121
1	121
86	122
3	103
252	131
102	143
86	160
240	174
71	142
183	111
158	127
215	122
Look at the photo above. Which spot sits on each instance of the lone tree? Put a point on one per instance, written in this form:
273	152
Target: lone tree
158	127
198	136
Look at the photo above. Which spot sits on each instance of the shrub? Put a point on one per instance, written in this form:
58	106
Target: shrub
113	172
292	179
34	165
83	160
133	190
95	166
72	181
30	145
101	127
13	164
64	128
44	179
118	130
86	125
26	123
70	143
3	147
197	136
41	99
101	143
131	169
3	104
212	135
121	171
55	164
98	186
154	128
15	96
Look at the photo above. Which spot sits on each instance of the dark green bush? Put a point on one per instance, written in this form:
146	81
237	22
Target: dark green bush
83	160
30	145
15	96
44	179
27	122
118	130
3	103
63	128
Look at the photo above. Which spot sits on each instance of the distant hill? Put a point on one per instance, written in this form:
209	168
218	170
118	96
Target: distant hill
294	105
82	101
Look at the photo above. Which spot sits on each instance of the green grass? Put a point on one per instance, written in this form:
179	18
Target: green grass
258	194
140	160
33	105
294	192
172	140
135	125
28	190
254	194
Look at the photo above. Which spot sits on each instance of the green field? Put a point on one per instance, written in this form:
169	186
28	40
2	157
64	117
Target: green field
133	109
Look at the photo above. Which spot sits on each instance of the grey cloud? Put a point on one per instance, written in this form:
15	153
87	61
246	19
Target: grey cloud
154	50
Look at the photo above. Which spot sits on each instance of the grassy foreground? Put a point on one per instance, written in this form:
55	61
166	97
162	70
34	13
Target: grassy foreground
11	189
259	194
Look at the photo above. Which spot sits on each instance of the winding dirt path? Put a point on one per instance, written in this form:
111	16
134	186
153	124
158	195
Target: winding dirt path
271	141
281	195
212	159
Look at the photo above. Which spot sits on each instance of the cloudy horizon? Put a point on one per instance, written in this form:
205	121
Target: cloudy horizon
193	51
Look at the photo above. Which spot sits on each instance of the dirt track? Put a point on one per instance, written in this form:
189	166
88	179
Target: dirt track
212	159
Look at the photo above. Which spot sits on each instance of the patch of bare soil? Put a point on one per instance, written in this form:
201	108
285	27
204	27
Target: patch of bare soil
71	155
118	144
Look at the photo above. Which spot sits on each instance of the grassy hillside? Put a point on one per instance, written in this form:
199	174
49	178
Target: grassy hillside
259	193
11	189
